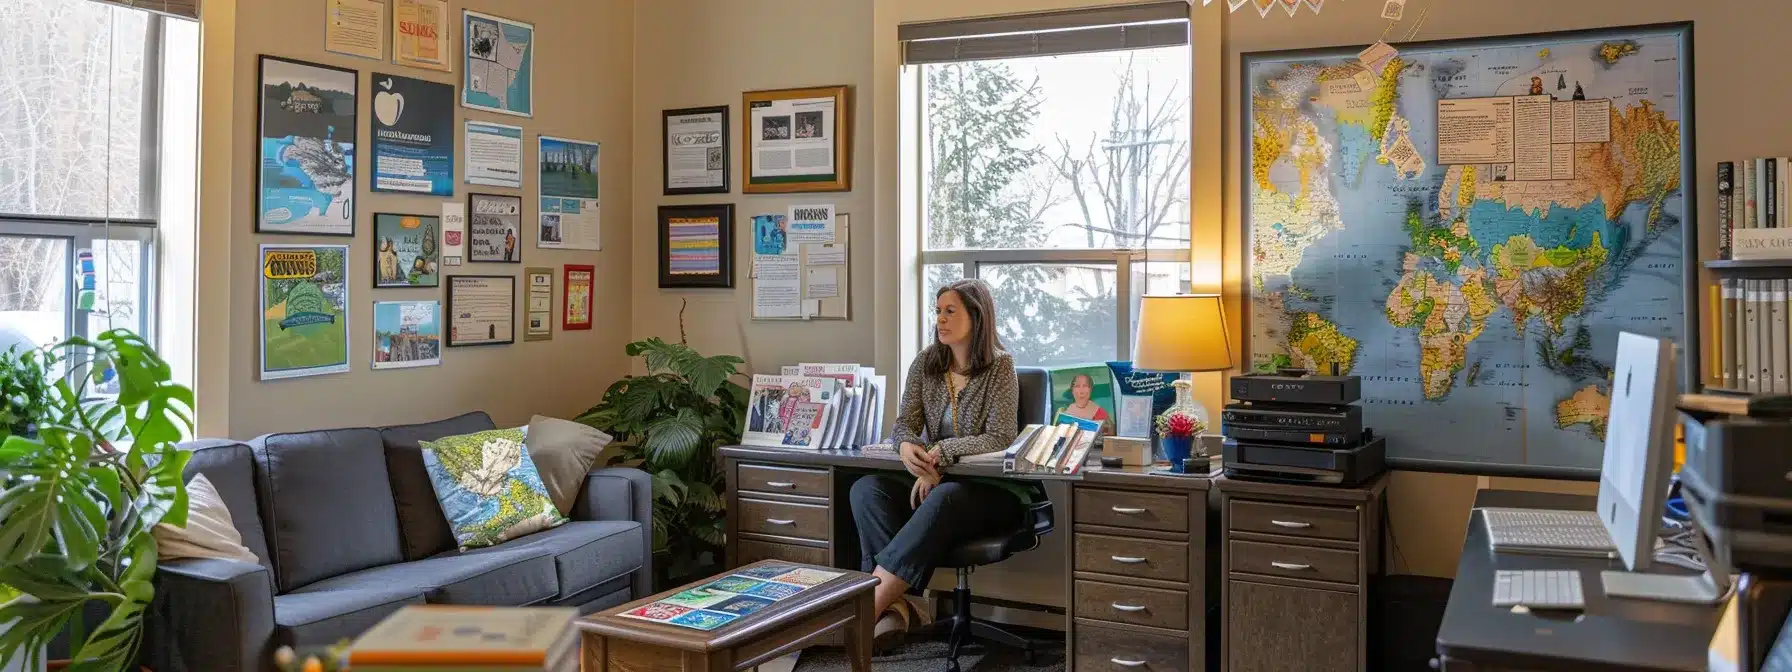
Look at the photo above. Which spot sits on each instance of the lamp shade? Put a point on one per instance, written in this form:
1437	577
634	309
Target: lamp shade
1184	332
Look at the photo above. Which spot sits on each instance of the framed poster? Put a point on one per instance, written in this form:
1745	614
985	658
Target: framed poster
493	222
306	115
413	136
576	297
420	34
500	64
405	251
481	310
406	334
304	310
696	245
569	195
695	155
797	140
538	324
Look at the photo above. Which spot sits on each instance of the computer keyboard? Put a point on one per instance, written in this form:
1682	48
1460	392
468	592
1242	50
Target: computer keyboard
1537	588
1541	530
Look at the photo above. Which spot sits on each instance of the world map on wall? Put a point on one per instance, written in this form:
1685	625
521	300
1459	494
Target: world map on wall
1468	227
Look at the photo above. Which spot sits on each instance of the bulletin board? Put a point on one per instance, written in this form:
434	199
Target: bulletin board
824	273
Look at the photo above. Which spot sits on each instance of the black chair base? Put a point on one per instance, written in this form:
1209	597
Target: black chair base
961	628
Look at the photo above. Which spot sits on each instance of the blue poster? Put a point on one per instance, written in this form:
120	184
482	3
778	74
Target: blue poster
307	146
500	64
413	136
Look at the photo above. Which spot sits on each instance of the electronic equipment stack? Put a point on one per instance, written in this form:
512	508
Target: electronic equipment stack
1294	427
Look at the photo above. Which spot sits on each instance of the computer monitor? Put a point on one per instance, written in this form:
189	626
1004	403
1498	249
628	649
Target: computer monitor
1633	478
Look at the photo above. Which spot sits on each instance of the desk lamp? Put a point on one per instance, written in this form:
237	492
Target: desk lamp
1183	333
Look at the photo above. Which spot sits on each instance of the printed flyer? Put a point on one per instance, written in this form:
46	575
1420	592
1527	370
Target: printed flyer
569	195
413	136
304	310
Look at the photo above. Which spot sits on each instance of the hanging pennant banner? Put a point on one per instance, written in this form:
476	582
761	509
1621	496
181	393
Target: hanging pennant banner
1315	5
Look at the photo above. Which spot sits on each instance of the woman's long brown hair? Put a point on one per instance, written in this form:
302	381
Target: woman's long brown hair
980	307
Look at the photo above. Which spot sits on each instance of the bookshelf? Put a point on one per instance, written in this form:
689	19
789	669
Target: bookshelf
1754	269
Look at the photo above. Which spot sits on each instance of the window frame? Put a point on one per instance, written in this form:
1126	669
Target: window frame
81	234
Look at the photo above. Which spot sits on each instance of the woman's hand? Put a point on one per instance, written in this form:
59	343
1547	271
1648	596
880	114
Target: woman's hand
918	493
919	461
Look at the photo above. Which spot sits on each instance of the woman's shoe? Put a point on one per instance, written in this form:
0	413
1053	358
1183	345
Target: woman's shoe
891	629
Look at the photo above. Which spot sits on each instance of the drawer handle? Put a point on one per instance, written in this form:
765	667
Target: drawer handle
780	484
1128	511
1290	566
1291	524
1126	560
780	521
1128	608
1125	662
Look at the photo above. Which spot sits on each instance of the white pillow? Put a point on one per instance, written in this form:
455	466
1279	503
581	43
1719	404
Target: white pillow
208	534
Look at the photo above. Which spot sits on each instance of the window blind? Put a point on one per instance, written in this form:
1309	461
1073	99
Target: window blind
186	9
1155	24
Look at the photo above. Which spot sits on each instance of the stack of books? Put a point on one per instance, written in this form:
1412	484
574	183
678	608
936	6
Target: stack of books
467	639
1052	451
1752	200
816	406
1754	350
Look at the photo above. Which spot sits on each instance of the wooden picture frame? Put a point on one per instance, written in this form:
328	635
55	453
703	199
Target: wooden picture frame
694	138
796	116
578	284
451	338
696	271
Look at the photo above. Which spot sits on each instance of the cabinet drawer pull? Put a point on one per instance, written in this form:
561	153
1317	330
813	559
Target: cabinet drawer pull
1126	662
780	484
1126	560
1128	511
1290	566
1128	608
780	521
1291	524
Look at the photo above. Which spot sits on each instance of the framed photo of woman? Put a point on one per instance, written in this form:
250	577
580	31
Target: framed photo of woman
1085	392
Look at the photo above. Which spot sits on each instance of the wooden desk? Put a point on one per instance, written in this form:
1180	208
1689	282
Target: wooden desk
1610	634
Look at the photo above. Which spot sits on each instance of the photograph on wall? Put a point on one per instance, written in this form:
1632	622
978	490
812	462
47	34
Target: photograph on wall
407	334
306	184
1084	392
494	154
576	298
538	323
500	64
696	151
481	310
413	136
796	140
304	310
405	251
696	245
420	34
493	222
569	195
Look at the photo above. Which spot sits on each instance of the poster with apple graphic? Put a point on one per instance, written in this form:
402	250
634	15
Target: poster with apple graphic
413	136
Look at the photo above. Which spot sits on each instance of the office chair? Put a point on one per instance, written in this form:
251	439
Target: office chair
1035	404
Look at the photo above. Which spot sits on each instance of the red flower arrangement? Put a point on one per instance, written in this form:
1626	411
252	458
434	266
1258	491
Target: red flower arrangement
1179	425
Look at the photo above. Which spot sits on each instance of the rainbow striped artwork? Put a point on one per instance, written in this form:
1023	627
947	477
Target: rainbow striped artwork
695	245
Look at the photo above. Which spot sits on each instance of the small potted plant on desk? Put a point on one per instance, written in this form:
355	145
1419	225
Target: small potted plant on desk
1177	431
78	500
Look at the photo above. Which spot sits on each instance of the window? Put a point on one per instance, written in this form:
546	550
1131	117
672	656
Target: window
1053	164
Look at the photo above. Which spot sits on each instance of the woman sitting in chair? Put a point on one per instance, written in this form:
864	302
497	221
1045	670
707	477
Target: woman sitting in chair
960	399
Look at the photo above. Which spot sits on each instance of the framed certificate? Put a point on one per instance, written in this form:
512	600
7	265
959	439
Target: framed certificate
696	151
481	310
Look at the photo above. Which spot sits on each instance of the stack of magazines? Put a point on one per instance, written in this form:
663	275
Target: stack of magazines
816	406
1052	451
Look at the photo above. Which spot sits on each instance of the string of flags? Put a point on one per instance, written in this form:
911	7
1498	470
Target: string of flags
1264	6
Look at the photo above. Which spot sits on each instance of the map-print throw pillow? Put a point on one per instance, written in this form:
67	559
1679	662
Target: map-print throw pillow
489	488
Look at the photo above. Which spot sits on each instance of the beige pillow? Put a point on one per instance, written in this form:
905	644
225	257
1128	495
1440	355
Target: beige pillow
563	451
208	534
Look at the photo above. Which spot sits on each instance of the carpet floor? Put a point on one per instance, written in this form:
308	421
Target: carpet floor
930	656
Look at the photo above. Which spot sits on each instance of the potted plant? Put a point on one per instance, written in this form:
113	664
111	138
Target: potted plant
669	423
24	390
78	500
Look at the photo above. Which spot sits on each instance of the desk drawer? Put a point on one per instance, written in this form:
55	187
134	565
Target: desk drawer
1144	510
1127	650
749	551
781	480
1131	604
1301	562
1295	520
784	519
1144	558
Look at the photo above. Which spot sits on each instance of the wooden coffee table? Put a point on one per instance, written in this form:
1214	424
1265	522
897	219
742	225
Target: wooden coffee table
768	621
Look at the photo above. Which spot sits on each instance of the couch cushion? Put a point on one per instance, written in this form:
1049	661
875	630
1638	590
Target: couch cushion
422	527
586	553
488	487
510	578
324	617
327	503
564	452
230	466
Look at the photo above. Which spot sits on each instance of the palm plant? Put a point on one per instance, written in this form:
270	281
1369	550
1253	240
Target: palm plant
78	500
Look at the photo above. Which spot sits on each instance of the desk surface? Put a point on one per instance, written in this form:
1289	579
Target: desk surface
1612	633
874	458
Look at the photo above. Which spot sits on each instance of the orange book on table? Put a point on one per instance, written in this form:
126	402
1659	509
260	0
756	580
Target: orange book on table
442	634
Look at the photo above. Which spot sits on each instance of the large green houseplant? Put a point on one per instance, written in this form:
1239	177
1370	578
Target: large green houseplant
668	423
24	390
78	500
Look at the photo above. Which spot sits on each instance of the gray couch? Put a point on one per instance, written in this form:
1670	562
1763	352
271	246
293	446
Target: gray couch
348	530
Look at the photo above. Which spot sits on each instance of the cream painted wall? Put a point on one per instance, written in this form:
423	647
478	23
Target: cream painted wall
583	78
